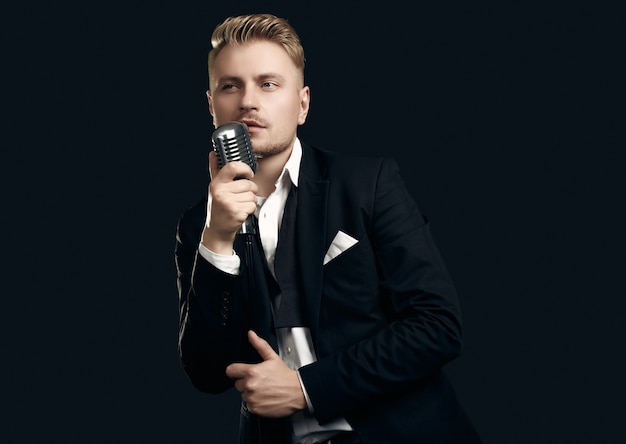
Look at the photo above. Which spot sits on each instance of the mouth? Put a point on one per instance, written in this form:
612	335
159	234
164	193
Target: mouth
253	125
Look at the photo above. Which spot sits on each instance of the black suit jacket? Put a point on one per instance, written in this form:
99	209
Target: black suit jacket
384	314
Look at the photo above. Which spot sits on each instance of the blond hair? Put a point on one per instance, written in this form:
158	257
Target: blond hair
246	28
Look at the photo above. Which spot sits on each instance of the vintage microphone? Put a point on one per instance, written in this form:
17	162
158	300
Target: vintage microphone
231	142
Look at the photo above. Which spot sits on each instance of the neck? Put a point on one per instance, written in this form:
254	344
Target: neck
268	170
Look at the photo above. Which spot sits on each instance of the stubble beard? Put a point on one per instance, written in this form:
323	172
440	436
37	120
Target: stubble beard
270	151
271	148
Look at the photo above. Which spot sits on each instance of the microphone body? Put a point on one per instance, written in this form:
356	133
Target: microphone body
231	142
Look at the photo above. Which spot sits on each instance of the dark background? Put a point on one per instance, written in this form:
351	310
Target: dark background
508	126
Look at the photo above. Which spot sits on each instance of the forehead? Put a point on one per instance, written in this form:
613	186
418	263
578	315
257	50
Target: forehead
253	58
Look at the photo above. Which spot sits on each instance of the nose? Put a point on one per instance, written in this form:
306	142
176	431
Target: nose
249	99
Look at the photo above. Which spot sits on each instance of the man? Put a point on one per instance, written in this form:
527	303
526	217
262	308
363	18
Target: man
335	319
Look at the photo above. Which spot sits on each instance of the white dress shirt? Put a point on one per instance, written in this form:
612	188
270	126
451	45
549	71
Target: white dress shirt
295	344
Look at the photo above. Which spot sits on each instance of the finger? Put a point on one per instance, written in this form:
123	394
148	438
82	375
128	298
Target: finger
230	171
262	346
244	187
240	385
213	167
236	371
241	170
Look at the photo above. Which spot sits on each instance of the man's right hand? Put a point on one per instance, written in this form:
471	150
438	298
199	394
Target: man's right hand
231	203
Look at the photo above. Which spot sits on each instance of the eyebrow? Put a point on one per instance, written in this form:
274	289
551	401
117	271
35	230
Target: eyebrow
271	75
226	79
260	77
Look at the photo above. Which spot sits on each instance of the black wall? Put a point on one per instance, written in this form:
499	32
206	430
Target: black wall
509	125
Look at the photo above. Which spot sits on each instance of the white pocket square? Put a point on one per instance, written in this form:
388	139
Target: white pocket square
340	243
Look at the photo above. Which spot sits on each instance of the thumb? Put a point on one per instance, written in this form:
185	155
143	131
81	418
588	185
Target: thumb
213	166
262	346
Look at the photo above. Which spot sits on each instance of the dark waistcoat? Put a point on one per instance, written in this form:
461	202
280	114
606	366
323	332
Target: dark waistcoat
265	292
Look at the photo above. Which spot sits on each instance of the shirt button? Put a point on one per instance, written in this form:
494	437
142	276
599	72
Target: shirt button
288	350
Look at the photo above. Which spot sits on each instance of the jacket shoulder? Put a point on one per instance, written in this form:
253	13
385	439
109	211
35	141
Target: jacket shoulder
191	222
336	165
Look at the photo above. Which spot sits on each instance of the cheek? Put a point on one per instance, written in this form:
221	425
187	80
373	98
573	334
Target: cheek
224	103
292	111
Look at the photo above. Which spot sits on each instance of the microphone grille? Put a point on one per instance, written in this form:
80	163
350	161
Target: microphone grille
231	142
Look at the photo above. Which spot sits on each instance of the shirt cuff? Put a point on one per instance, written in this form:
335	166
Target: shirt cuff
227	264
306	395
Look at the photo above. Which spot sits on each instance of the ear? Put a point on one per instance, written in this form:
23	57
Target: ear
305	100
210	101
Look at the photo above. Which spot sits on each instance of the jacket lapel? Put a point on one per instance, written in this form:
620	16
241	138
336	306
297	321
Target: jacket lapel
311	233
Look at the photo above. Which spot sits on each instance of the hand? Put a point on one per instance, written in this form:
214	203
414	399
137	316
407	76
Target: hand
231	203
270	389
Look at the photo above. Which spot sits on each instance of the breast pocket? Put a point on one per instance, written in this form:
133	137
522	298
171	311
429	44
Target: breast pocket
341	243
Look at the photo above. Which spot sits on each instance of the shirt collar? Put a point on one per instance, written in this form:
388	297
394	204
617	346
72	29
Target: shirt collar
292	167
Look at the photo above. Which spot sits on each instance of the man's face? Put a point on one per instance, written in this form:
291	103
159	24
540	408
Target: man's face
258	84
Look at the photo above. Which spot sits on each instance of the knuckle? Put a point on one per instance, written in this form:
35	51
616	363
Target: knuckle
249	386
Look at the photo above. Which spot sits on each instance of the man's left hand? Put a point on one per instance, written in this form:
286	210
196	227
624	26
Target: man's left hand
270	388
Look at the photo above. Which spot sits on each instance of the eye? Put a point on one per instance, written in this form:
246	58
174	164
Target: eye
228	87
269	85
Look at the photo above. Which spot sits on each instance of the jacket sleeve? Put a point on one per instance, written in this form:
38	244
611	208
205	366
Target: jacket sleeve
210	332
420	330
